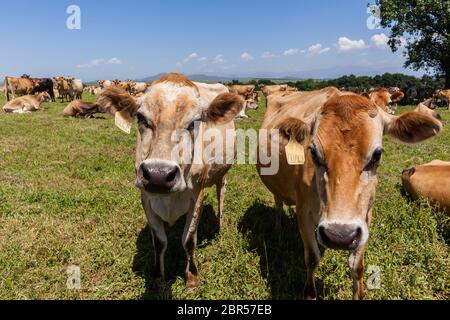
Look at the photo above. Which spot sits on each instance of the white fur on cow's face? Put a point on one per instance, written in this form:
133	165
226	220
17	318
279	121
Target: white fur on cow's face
167	126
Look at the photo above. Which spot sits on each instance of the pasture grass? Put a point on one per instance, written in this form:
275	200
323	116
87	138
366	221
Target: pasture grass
67	198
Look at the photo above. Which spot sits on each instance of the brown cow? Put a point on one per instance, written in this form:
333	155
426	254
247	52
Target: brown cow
63	88
172	187
82	109
341	137
242	90
425	107
430	181
443	95
18	86
382	98
27	103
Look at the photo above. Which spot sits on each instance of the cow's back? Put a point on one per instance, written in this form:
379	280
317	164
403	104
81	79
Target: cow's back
430	181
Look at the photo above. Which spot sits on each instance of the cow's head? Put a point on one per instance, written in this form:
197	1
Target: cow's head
44	97
172	103
382	98
346	149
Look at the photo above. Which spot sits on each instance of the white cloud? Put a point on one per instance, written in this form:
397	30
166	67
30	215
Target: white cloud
114	61
380	41
246	57
268	55
203	59
346	45
290	52
219	59
98	62
317	49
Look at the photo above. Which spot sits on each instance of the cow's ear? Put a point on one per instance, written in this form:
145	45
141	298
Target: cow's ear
293	128
411	127
115	99
224	108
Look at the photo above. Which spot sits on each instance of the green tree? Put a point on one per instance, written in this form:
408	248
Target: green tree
425	26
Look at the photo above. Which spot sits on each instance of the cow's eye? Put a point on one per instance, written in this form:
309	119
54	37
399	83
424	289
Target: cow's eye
375	160
316	158
142	121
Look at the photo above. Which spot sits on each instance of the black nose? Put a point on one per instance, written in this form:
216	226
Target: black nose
340	236
159	178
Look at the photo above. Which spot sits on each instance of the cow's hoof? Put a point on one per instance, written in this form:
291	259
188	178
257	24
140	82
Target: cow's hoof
191	281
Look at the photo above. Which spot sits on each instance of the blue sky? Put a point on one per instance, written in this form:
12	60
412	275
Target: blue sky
137	38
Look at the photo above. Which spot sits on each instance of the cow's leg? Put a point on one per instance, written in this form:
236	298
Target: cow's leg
189	241
221	190
356	263
312	253
279	205
159	239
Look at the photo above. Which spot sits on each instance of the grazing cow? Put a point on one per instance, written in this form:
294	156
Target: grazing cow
427	108
430	181
170	187
25	104
443	95
82	109
18	86
340	138
104	83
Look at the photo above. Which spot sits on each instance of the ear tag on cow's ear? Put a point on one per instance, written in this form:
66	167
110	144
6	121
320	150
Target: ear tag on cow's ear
123	122
295	153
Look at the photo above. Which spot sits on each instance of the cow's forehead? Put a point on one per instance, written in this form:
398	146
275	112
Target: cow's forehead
349	126
172	101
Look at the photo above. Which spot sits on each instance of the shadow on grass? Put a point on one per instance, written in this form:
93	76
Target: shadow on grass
281	255
175	258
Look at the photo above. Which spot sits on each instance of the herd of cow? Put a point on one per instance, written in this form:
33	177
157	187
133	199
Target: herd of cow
338	135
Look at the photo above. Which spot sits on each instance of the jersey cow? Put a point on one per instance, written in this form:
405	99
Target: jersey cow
171	185
26	104
334	189
430	181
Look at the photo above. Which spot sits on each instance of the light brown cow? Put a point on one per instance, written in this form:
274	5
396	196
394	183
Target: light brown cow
425	107
63	88
82	109
334	189
269	90
172	187
430	181
26	104
104	83
18	86
382	98
443	95
242	90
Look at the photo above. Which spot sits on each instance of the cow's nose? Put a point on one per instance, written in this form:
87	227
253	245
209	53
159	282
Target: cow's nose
340	236
159	178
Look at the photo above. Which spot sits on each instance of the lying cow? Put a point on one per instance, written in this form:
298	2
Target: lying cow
427	108
430	181
82	109
170	187
340	138
26	104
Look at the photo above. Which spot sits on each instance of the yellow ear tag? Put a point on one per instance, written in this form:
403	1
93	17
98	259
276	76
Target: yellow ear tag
123	122
295	153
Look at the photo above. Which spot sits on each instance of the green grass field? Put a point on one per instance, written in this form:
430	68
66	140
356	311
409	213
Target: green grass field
67	197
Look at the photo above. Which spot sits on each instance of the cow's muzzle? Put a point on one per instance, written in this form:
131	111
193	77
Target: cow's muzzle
159	177
340	236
